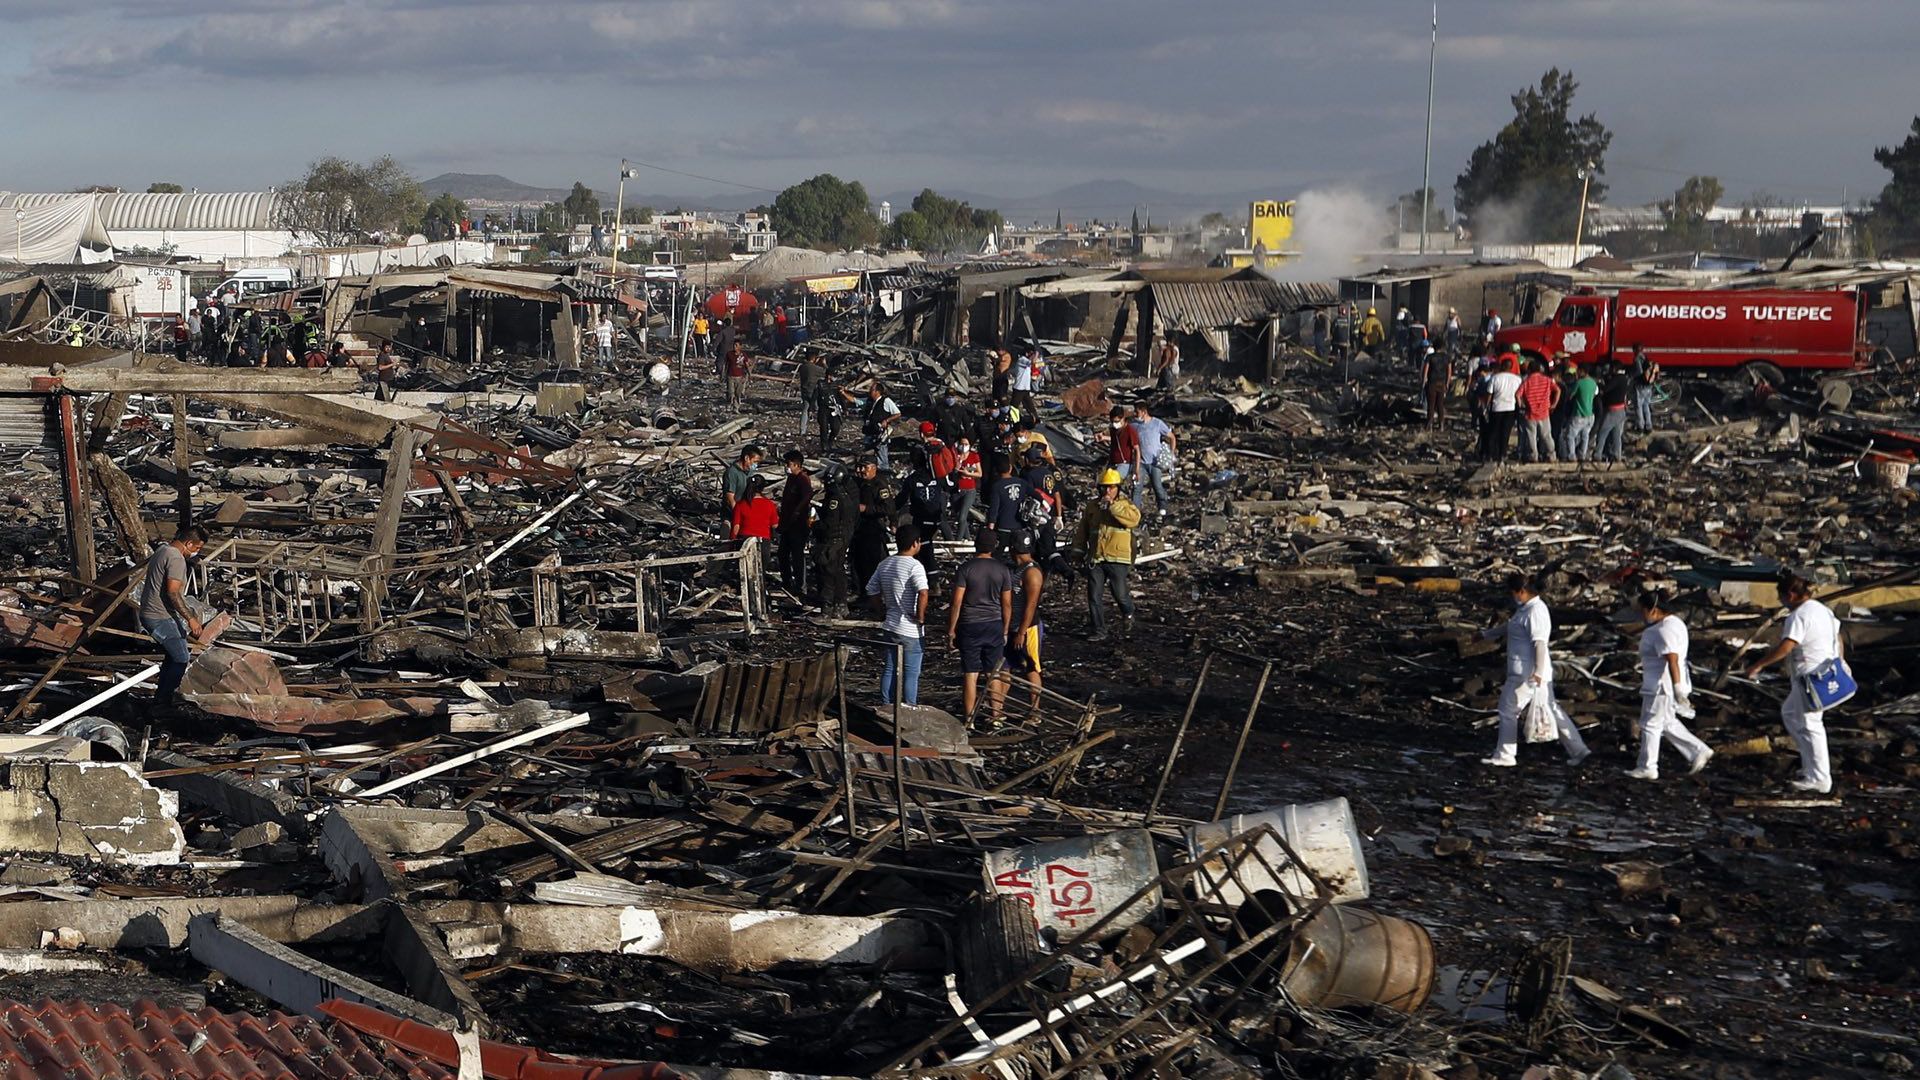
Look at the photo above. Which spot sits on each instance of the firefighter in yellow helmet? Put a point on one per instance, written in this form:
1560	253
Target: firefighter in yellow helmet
1372	334
76	333
1105	540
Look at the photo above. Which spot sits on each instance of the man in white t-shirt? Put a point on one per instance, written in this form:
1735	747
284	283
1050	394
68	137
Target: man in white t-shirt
1665	685
1503	403
899	587
1529	675
1811	637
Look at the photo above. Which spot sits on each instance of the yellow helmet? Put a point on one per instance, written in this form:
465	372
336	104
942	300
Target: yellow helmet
1111	476
1370	311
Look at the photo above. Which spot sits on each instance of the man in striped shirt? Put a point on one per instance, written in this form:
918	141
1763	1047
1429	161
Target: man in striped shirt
1538	396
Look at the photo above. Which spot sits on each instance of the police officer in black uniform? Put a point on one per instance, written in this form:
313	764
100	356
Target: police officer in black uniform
874	534
833	532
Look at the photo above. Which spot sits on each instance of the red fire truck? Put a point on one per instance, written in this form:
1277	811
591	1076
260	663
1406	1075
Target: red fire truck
1767	334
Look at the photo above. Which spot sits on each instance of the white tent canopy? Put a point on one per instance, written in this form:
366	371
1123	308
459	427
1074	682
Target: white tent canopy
68	227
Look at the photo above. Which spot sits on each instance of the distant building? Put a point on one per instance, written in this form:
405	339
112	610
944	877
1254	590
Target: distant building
64	227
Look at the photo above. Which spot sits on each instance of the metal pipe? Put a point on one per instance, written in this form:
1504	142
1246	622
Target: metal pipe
1426	166
846	739
899	766
1239	748
1179	737
109	693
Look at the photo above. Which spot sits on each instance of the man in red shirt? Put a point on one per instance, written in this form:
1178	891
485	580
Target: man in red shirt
755	516
1538	395
737	368
1123	443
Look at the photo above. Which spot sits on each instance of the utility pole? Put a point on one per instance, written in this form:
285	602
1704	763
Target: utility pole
1426	163
619	220
1580	223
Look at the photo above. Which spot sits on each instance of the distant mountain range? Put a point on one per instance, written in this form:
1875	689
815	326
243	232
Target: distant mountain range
1106	200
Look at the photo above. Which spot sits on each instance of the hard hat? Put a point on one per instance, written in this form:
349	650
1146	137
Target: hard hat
1370	311
1110	477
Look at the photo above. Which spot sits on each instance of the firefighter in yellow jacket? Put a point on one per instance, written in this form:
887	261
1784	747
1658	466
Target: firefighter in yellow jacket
1105	540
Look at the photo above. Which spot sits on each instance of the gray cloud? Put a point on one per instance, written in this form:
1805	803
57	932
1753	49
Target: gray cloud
1004	96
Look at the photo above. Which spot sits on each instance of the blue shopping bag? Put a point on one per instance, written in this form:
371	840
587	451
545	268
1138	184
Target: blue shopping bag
1829	685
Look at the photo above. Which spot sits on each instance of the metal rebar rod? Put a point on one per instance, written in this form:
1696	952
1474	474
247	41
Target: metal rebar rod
1179	738
846	739
1246	729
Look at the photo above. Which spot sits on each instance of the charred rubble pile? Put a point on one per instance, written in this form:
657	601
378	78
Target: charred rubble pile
493	745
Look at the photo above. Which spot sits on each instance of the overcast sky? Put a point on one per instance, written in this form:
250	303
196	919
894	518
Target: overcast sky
1009	97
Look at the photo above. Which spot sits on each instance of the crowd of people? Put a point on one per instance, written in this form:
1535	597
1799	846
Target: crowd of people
978	475
1536	408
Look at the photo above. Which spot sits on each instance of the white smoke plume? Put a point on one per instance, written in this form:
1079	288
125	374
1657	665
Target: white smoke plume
1331	228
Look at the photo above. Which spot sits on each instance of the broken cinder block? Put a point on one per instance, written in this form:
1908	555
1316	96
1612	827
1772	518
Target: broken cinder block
100	809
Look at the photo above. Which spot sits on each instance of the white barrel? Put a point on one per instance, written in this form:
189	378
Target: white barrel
1073	883
1323	834
1891	475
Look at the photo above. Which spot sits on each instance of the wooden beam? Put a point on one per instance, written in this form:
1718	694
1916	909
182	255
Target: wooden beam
96	380
393	497
76	500
182	464
123	505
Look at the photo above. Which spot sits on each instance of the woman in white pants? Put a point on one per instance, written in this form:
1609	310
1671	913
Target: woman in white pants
1664	688
1811	637
1529	675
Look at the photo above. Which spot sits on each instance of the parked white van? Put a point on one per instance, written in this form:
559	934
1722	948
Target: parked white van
262	279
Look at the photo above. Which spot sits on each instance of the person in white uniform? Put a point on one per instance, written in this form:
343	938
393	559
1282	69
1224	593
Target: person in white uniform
1811	637
1665	685
1529	675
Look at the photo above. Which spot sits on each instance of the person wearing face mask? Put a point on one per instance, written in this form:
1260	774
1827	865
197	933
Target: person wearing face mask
967	474
1664	688
1529	675
1123	444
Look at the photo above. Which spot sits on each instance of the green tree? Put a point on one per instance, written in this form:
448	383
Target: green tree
637	215
1696	198
910	232
582	205
443	216
164	188
1524	183
340	202
942	225
1406	212
1897	211
1212	219
825	212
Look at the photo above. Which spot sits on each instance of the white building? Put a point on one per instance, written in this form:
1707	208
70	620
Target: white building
65	227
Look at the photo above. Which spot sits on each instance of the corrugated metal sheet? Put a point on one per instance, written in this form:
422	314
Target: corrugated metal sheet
1194	306
23	421
753	698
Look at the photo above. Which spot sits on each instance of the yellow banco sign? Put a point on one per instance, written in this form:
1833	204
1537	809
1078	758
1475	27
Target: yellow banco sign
1270	225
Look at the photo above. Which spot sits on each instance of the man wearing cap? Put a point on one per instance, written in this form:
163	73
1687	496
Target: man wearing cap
1105	540
834	528
876	519
1029	632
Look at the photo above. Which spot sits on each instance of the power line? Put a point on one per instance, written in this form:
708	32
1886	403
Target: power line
698	176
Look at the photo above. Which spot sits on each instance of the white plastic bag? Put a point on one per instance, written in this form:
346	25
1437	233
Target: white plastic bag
1539	720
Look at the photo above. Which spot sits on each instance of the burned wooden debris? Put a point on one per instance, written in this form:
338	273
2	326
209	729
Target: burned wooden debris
502	741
